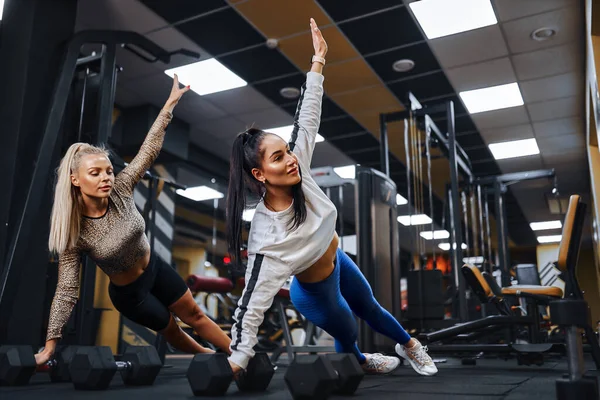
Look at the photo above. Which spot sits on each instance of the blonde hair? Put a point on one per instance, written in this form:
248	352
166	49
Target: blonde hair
65	220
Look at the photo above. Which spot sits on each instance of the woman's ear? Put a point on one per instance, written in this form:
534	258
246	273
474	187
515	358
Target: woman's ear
74	181
258	175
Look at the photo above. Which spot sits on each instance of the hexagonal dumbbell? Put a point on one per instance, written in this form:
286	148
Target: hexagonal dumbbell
211	374
17	365
319	376
93	368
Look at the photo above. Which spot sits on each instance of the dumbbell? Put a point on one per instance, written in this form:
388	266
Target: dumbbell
316	377
17	365
93	368
211	374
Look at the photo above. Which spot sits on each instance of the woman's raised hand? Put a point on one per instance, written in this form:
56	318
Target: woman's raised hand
317	37
176	93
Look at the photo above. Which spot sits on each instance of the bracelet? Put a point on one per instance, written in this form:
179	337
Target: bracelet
317	59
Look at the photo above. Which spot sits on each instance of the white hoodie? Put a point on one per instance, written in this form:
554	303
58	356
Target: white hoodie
274	252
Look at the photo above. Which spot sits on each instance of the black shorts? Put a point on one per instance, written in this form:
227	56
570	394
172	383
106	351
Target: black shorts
146	300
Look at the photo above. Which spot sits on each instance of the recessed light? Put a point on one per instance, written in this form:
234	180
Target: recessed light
444	17
200	193
208	76
400	200
427	235
285	132
539	226
446	246
417	219
272	43
542	34
514	148
290	92
403	65
549	239
492	98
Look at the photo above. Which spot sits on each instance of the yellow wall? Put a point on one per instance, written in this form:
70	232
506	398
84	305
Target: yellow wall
192	260
108	330
586	276
592	123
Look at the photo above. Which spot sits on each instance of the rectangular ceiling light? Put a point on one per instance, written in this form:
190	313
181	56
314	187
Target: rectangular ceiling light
285	132
428	235
540	226
492	98
400	200
347	172
200	193
208	76
446	17
549	239
514	148
446	246
247	215
417	219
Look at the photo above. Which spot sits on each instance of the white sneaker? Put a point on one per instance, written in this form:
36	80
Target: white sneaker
418	358
379	364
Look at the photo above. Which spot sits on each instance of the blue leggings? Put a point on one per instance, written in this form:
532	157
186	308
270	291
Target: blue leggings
330	304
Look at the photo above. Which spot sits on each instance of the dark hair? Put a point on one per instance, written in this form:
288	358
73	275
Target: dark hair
246	155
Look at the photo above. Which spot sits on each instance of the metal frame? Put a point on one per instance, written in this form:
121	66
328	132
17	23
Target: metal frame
499	184
459	161
17	250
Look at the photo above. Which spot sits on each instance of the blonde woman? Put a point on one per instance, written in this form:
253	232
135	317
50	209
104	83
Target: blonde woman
94	214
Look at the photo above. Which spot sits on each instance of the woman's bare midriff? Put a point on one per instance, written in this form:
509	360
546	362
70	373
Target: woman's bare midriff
323	267
126	277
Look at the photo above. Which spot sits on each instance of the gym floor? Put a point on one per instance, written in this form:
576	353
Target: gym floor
490	379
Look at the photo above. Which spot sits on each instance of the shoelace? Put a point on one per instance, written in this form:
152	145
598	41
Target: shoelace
421	355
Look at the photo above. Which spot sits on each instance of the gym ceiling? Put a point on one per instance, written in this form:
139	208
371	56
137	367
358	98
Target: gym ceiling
365	38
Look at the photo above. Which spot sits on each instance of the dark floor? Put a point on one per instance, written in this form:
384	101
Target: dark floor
490	379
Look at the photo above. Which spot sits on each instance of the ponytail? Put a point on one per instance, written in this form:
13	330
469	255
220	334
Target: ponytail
65	220
236	200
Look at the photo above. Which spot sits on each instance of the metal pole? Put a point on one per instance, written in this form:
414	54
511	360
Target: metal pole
385	159
455	228
481	227
488	231
108	84
503	256
474	227
465	209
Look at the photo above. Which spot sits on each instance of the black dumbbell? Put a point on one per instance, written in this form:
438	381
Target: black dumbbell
211	374
318	376
17	365
93	368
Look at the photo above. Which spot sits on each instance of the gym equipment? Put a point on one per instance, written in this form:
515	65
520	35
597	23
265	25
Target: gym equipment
17	365
211	374
445	139
568	312
93	368
572	312
316	377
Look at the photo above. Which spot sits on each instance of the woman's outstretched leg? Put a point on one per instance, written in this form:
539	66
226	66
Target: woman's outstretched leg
356	290
323	305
